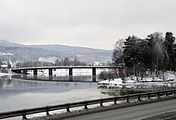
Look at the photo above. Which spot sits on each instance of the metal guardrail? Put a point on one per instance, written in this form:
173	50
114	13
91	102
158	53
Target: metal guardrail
85	104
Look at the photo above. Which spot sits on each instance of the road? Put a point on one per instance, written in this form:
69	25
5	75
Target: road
132	113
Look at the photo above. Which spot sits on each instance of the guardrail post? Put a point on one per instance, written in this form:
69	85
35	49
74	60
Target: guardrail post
24	116
139	98
166	93
149	96
68	108
174	91
85	105
127	99
101	103
115	100
158	95
47	111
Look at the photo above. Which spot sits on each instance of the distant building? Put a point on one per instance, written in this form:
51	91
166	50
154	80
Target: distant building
4	66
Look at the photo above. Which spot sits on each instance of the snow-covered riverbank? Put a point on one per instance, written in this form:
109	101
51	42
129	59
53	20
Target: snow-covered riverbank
148	83
5	74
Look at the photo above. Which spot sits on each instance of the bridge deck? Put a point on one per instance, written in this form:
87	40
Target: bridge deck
64	67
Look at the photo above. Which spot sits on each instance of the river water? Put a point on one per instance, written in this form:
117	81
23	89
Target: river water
18	94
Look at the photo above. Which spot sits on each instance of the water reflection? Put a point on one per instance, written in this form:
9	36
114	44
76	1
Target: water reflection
5	81
19	93
12	85
66	78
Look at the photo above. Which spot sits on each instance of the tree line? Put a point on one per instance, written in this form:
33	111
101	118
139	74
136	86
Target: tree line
153	53
59	62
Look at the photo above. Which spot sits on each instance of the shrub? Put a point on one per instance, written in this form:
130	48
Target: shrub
106	75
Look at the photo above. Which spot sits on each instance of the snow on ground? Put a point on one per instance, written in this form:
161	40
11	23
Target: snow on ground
6	54
4	74
152	82
170	75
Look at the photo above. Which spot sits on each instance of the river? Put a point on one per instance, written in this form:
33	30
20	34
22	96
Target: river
18	94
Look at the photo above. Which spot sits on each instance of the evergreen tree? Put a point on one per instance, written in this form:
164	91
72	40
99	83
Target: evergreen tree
154	53
136	55
131	51
57	62
66	62
168	44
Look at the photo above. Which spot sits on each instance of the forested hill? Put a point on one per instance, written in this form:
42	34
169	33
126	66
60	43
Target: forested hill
20	52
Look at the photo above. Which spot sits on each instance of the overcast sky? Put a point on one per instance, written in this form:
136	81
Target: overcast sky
90	23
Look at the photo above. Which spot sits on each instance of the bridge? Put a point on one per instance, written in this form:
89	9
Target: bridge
51	68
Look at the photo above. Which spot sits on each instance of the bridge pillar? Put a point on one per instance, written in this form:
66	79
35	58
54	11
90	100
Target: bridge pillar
94	74
70	74
70	71
35	71
24	74
93	71
24	71
50	71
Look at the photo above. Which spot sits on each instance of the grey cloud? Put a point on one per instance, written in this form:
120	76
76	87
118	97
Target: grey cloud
83	22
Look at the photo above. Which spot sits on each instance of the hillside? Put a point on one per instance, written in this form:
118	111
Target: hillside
20	52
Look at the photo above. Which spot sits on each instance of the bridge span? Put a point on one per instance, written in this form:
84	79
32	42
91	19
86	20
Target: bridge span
35	70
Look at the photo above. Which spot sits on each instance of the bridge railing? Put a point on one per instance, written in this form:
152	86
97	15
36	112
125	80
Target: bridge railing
86	104
61	67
